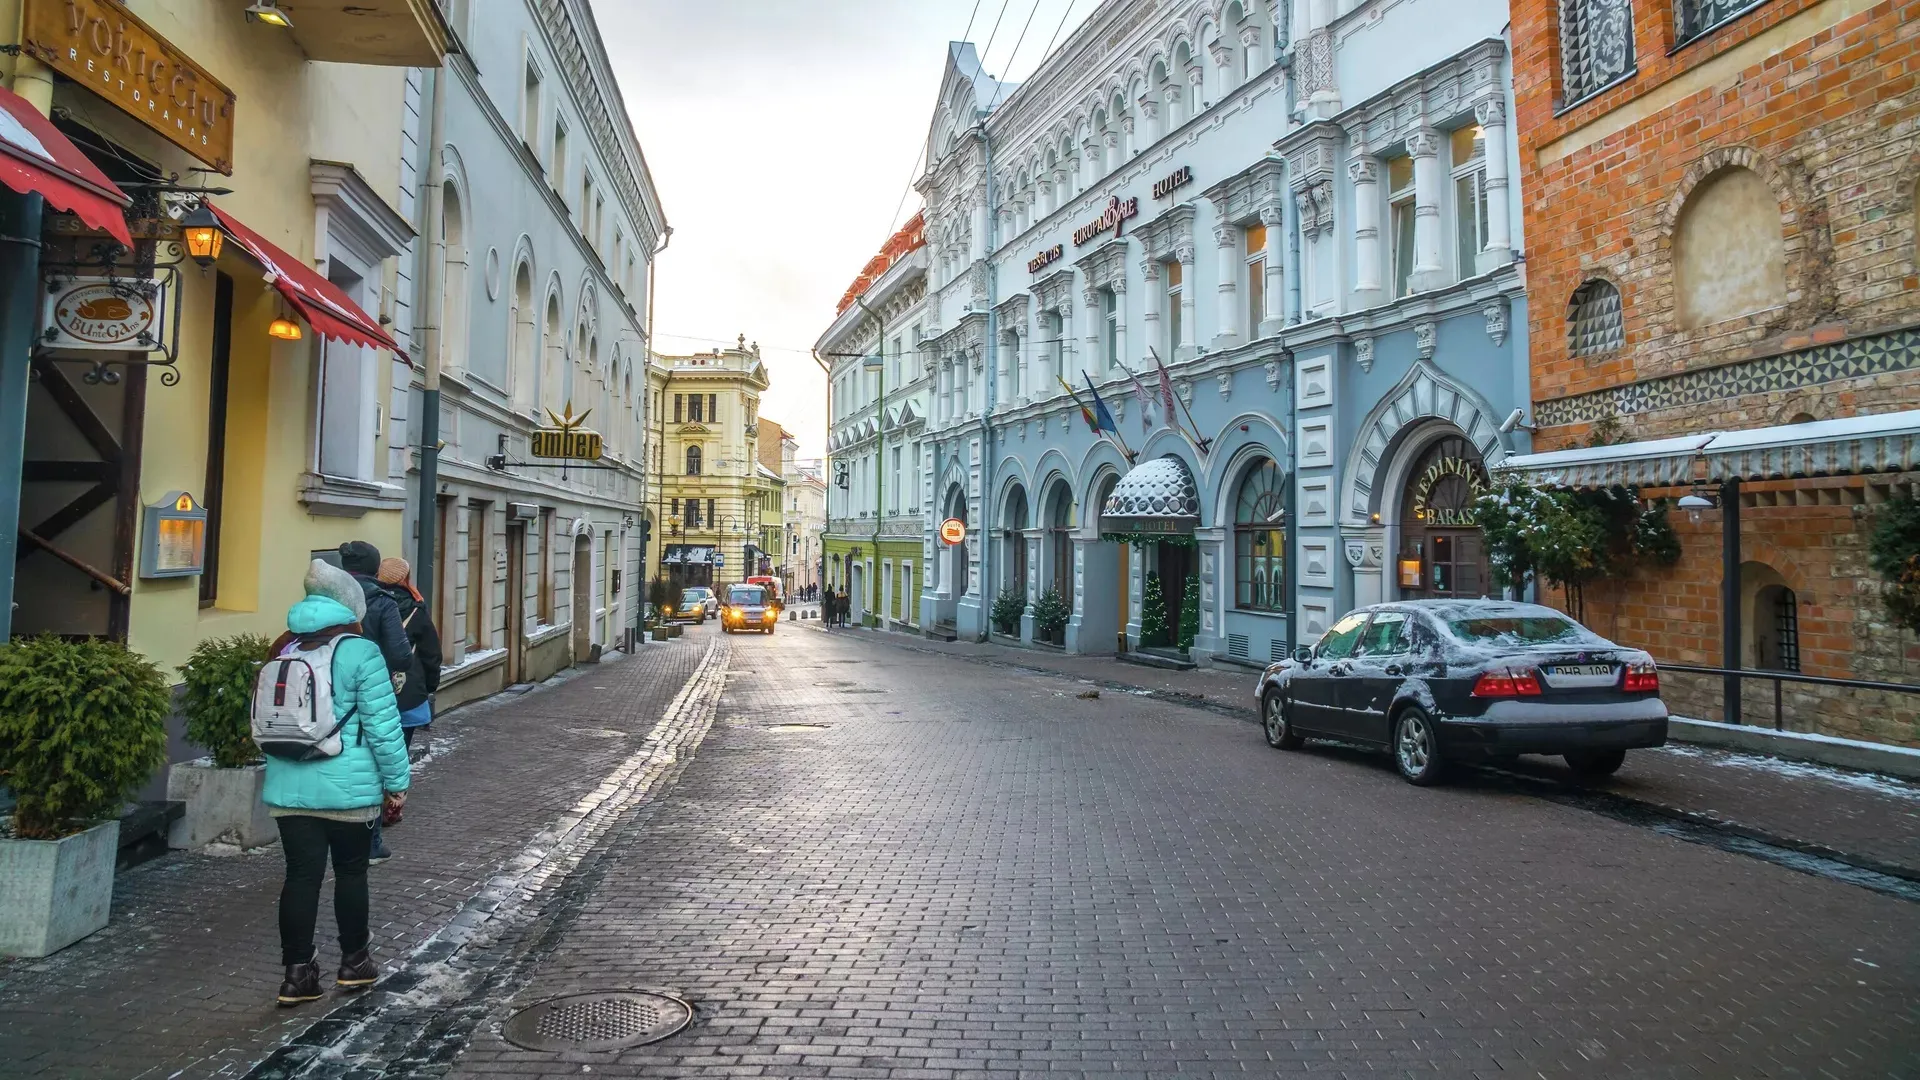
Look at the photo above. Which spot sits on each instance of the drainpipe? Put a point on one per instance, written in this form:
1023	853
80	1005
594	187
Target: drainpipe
992	365
654	472
432	288
880	444
1730	597
1292	273
826	477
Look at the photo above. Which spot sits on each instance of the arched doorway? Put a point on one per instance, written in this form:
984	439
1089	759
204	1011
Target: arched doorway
1013	562
1441	552
1057	558
951	561
856	591
581	585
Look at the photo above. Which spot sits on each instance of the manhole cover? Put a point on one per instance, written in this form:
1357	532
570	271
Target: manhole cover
596	1022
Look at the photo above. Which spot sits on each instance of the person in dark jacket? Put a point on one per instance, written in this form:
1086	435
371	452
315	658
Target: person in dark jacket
383	627
423	676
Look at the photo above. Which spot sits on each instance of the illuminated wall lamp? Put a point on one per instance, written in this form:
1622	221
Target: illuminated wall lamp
285	330
203	235
267	11
1695	505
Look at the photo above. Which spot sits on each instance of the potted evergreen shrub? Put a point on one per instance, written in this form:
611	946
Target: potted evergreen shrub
1050	615
1189	615
1007	609
82	724
221	790
1155	632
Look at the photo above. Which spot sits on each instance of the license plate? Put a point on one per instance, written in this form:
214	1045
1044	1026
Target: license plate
1579	670
1572	676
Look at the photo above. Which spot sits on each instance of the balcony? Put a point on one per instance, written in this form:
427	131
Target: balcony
385	33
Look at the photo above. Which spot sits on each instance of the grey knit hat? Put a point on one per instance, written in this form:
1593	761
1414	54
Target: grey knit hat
325	579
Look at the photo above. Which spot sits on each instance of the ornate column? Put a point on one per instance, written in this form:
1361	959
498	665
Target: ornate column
1429	271
1253	39
941	391
1187	257
1196	89
1115	158
1365	173
1492	115
1094	319
1004	368
1222	52
1150	302
977	243
1321	85
1150	112
1273	312
1075	185
1227	243
1047	202
1176	108
1119	287
1127	144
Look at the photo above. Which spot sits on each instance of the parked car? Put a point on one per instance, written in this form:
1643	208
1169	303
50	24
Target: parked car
748	607
1442	681
709	602
691	608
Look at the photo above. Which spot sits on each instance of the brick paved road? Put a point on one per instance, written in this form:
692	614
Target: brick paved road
181	982
971	872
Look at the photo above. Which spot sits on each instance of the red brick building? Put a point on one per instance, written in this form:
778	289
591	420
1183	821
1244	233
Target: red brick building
1720	203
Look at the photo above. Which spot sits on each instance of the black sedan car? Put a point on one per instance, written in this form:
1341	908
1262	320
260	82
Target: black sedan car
1439	681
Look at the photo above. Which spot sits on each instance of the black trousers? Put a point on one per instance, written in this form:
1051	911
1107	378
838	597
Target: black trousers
307	841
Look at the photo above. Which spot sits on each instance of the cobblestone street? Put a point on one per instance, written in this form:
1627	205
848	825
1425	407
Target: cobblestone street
861	857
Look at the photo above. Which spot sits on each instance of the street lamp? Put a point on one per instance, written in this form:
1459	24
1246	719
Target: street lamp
1695	504
203	235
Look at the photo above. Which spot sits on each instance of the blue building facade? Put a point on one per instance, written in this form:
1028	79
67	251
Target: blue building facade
1277	243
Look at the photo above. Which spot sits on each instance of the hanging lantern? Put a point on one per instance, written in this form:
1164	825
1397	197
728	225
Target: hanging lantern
203	235
285	330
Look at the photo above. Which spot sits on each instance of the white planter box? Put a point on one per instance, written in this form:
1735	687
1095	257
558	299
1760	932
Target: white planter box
223	806
55	892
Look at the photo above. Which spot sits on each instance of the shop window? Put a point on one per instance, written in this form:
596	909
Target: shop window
1400	212
1256	259
1693	18
693	461
1729	253
1469	197
1260	540
1596	46
1594	323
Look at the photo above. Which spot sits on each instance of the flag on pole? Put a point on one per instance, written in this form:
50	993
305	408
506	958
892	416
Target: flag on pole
1142	395
1104	417
1085	413
1167	403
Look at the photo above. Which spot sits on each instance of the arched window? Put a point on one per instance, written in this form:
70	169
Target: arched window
556	382
1776	624
453	296
1596	46
1260	540
522	377
1729	257
1594	323
693	461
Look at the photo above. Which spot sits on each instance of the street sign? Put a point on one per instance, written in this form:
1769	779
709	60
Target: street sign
953	531
719	560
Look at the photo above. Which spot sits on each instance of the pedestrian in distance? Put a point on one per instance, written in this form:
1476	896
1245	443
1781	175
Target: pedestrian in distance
326	806
383	628
423	675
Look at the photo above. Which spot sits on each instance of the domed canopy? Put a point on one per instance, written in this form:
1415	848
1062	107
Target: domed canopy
1155	497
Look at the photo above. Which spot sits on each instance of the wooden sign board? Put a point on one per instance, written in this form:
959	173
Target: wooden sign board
107	49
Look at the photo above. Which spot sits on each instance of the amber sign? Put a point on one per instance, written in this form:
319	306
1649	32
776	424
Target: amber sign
566	443
107	49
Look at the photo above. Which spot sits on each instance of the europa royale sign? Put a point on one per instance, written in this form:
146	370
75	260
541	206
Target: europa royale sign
107	49
1117	211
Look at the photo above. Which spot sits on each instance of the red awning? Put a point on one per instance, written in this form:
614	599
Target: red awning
328	310
35	157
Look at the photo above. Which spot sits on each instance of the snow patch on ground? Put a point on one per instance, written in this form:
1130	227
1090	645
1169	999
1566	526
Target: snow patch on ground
1876	783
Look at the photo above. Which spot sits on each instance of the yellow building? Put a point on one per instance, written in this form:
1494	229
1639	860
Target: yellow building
271	403
707	504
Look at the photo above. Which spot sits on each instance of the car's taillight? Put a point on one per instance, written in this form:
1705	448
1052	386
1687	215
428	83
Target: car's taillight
1508	682
1642	679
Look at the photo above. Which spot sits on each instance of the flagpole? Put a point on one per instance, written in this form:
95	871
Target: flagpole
1205	443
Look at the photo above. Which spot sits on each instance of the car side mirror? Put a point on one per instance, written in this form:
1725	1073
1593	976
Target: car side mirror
1303	654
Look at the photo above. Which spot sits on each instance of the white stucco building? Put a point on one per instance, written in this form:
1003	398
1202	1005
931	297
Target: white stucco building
1301	207
550	225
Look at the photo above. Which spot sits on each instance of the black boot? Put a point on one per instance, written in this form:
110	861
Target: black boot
358	970
302	983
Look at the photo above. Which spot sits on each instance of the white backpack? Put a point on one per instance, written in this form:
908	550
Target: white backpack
293	703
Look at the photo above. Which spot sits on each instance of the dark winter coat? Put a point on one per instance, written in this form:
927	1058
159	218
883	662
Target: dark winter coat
382	625
423	674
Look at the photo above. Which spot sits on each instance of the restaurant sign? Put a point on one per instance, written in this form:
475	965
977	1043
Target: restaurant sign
1045	259
1118	210
107	49
1455	508
116	314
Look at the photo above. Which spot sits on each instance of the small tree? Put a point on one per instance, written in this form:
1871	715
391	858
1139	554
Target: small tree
1190	614
218	701
659	594
1155	631
82	724
1894	553
1050	615
1007	609
1571	538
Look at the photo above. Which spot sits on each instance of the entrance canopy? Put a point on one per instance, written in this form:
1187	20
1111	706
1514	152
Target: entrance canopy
36	159
1852	446
1155	498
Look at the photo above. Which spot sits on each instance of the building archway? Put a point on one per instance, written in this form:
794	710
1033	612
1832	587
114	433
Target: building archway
951	560
1013	560
1056	549
1440	552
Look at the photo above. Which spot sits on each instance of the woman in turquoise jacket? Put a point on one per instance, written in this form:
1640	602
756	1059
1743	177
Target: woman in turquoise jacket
330	805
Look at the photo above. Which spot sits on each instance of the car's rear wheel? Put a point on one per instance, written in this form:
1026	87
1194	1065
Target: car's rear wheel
1274	721
1596	764
1416	747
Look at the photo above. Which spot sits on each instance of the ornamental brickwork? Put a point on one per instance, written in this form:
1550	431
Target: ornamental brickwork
1750	195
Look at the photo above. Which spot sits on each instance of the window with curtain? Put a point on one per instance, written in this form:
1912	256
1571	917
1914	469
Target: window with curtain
1596	46
693	461
1260	540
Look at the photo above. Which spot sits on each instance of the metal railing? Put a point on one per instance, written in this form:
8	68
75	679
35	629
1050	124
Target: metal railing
1781	678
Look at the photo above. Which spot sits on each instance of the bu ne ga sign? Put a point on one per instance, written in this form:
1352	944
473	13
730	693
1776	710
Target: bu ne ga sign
565	443
953	531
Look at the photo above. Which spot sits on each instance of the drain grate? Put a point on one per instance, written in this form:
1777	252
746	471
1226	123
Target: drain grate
597	1022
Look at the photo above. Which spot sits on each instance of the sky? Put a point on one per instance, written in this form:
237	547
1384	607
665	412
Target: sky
782	135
